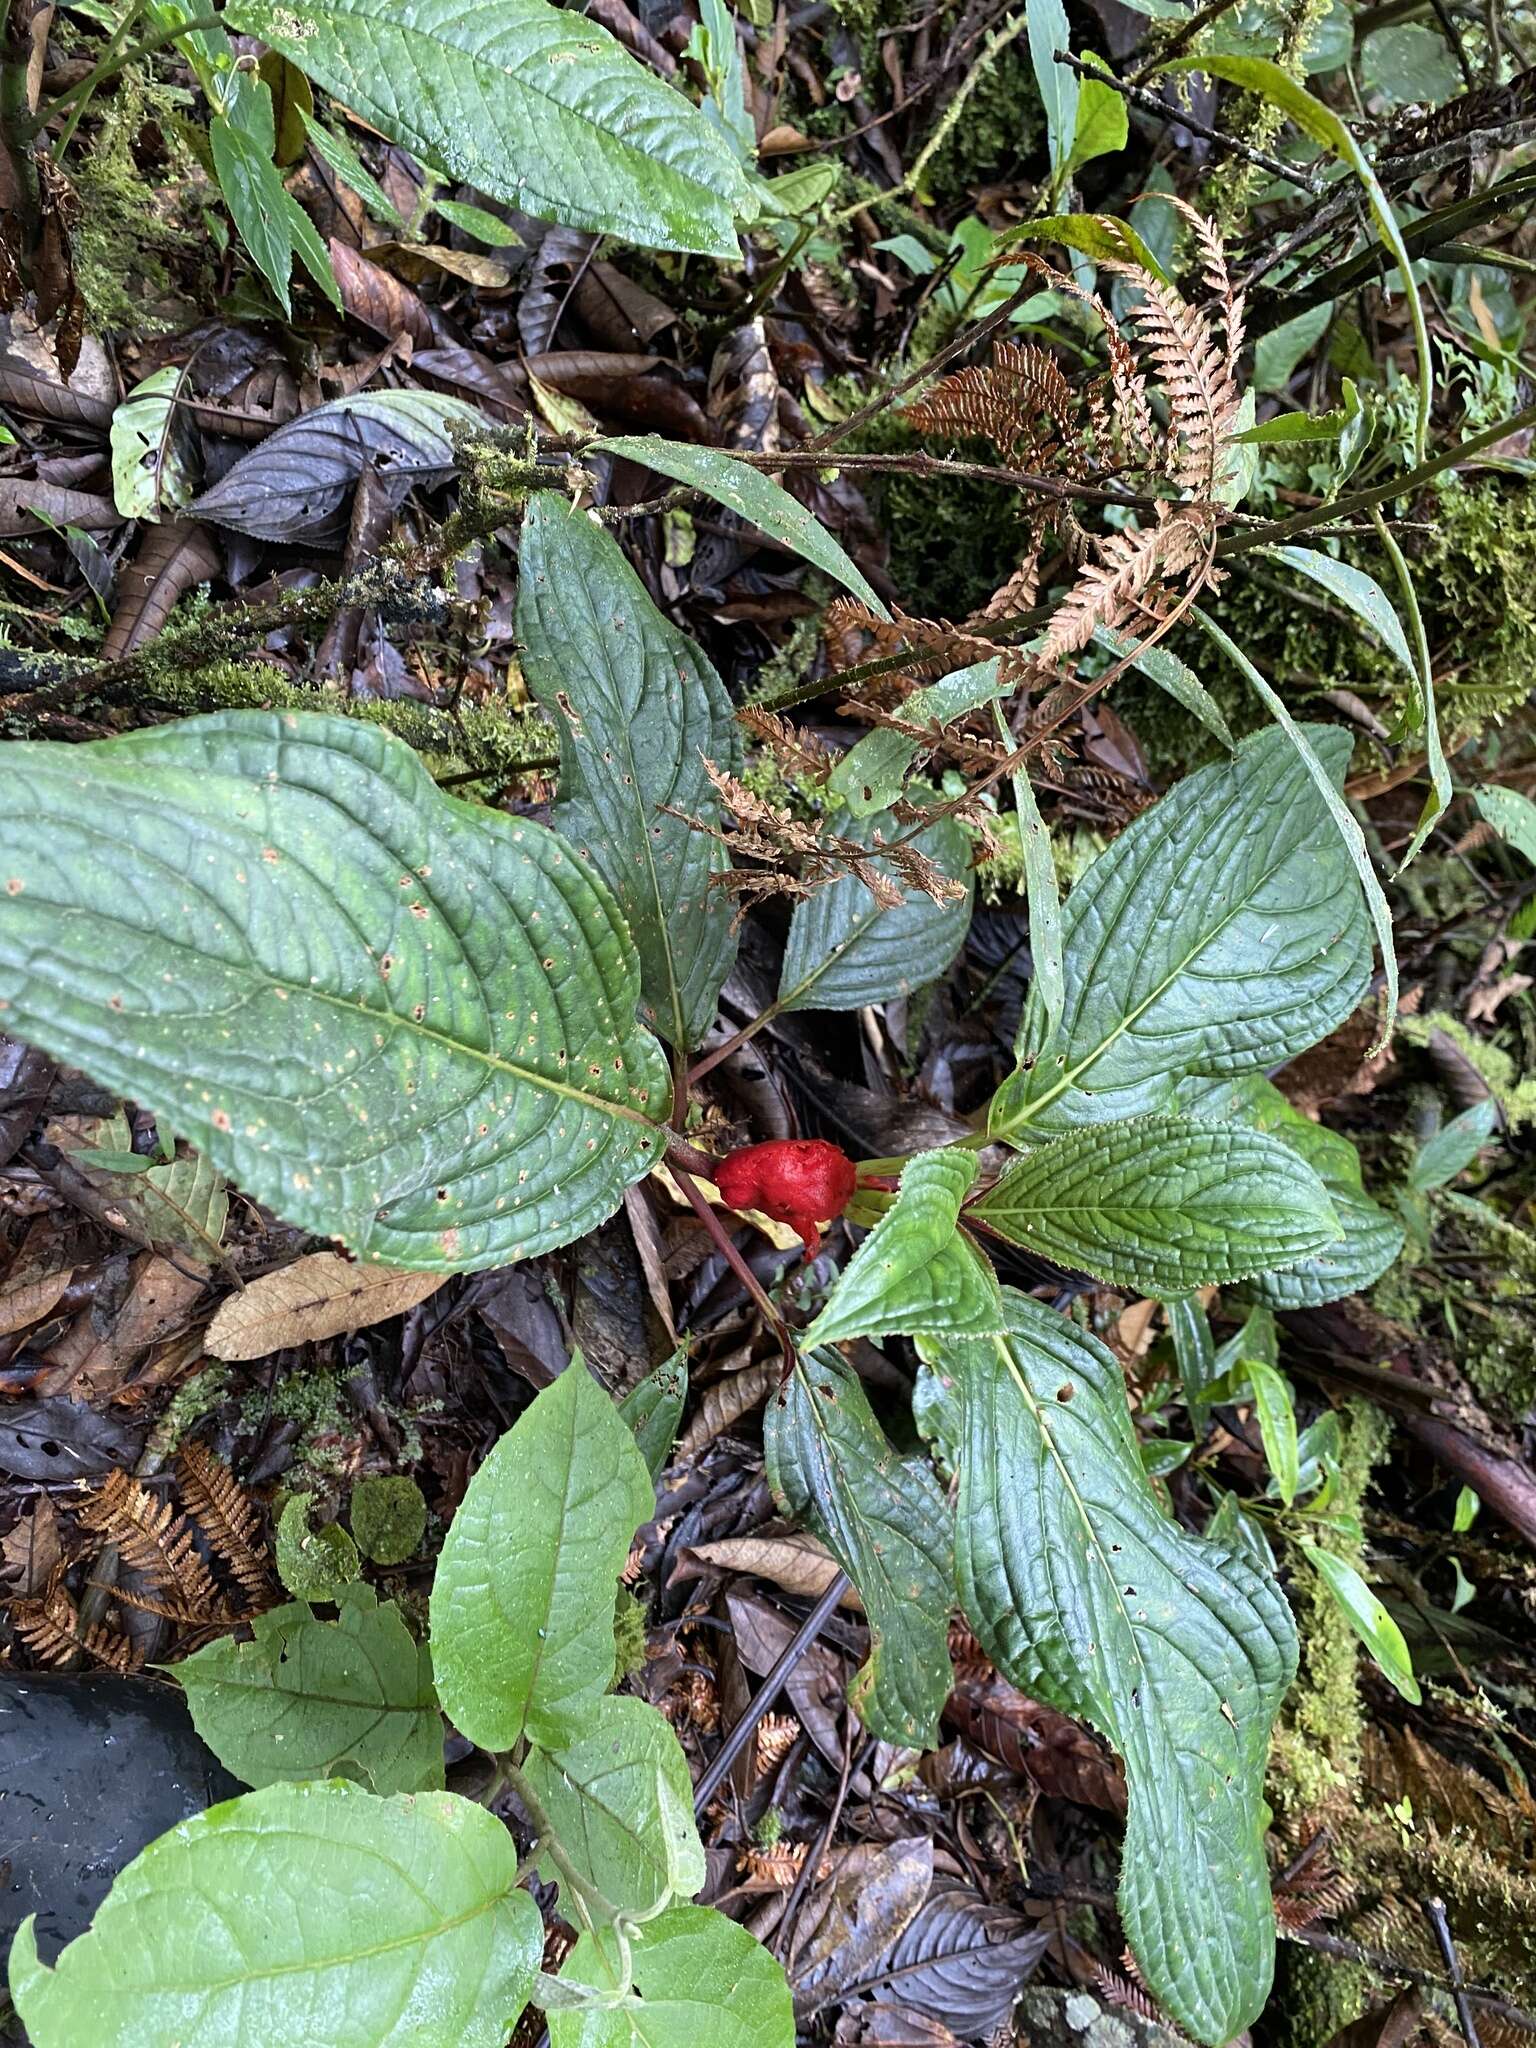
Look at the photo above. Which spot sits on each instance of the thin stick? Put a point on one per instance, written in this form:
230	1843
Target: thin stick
1434	1912
1151	104
768	1692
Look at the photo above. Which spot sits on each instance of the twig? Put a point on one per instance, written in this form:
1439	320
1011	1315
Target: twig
1180	41
1150	103
768	1692
738	1265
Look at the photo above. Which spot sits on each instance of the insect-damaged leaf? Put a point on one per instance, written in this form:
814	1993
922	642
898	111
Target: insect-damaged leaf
638	710
398	1019
306	1698
1222	932
297	484
300	1913
526	102
522	1605
1088	1597
888	1524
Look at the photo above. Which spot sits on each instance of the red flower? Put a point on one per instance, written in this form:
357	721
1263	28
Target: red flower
798	1181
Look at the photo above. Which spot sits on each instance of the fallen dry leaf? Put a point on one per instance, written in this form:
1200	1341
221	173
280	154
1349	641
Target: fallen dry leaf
789	1559
323	1295
30	1553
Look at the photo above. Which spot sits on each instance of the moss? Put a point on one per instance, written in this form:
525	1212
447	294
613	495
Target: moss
628	1636
133	227
1316	1753
1002	131
314	1564
1314	1997
389	1518
1516	1092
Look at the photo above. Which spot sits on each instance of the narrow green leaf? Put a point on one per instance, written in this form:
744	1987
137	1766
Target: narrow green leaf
1467	1505
1512	816
271	223
1287	428
1222	932
484	226
698	1978
1101	237
638	710
1355	588
1370	1238
621	1802
869	777
1454	1147
522	1605
1087	1597
1048	32
1344	820
1163	1204
397	1019
1170	674
338	155
757	498
887	1523
1276	1409
1271	82
306	1698
1368	1618
845	950
654	1408
916	1274
301	1913
1195	1350
532	105
1042	895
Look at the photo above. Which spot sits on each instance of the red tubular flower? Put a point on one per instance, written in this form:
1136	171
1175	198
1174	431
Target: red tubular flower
798	1181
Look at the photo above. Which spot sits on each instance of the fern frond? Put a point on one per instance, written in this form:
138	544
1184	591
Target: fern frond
153	1540
227	1516
50	1628
1122	579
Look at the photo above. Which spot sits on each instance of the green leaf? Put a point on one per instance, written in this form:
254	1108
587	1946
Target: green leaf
915	1274
654	1408
1042	896
870	776
1511	815
338	155
699	1978
1103	125
887	1523
1271	82
844	950
181	1202
533	106
1174	676
1194	1348
759	499
1221	932
314	1564
522	1605
1370	604
638	709
306	1698
1467	1505
1275	1407
621	1802
1409	62
1277	355
1058	83
1370	1238
1286	428
1367	1617
395	1018
1454	1147
301	1913
475	220
153	454
1327	784
270	221
1087	1597
1162	1204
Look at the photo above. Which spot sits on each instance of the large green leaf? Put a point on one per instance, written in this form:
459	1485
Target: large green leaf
1223	931
1163	1203
522	1605
886	1521
638	708
529	103
305	1698
316	1916
698	1979
915	1275
1369	1237
621	1801
756	497
398	1019
1089	1598
844	950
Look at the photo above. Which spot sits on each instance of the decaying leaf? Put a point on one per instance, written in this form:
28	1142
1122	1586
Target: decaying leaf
320	1296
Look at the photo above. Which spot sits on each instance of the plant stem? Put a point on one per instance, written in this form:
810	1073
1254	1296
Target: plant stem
738	1265
110	63
586	1895
712	1059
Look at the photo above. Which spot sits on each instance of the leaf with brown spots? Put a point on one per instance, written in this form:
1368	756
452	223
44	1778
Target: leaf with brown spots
323	1295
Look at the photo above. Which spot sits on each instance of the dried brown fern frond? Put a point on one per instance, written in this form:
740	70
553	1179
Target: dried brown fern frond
153	1540
1128	1993
1019	592
1021	402
1327	1900
228	1517
797	752
1196	373
929	647
1127	575
50	1628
